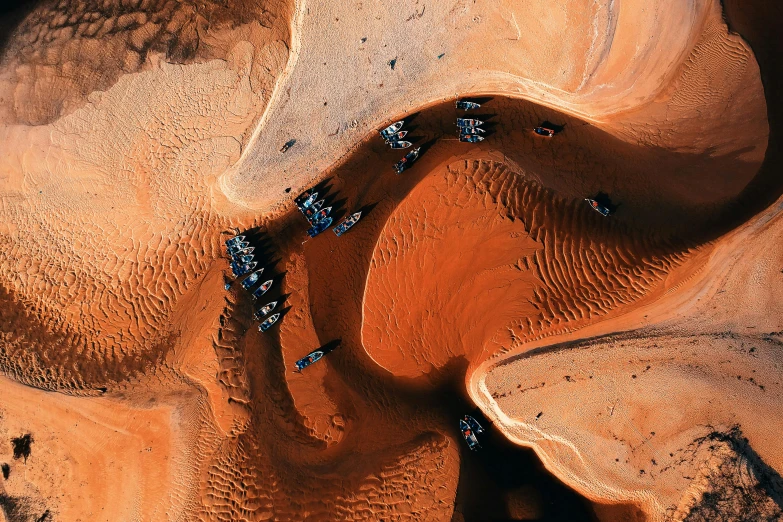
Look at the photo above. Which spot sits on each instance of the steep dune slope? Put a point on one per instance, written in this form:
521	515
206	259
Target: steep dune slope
478	260
136	134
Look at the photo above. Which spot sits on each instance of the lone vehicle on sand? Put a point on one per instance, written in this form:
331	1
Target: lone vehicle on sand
263	327
467	105
473	423
469	432
544	131
347	223
406	162
288	144
307	360
603	210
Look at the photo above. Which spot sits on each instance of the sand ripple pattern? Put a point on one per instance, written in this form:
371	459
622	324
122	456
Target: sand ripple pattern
248	484
64	51
555	265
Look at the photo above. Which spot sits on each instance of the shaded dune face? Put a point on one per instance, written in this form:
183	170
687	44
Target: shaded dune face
102	240
110	277
479	259
64	50
282	464
447	274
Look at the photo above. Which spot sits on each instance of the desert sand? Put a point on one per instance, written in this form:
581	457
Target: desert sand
627	368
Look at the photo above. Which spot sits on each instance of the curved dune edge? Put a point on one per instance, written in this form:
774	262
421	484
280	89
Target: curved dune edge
478	257
724	273
126	188
241	477
349	113
136	160
60	55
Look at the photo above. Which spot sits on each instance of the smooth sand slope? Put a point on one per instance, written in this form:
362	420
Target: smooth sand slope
637	355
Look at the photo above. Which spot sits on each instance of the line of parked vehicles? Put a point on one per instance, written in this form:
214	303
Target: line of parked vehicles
242	257
242	262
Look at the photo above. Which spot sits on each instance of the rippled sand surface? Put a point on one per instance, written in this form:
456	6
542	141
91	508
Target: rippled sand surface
627	368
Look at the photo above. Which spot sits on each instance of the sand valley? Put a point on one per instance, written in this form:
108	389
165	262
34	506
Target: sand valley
624	368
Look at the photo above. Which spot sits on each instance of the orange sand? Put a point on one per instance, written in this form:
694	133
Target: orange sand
638	356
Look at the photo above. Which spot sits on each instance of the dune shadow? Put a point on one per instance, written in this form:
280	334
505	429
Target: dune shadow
337	205
283	312
272	263
410	118
555	127
330	346
603	199
282	297
427	145
485	117
11	16
367	209
323	186
481	100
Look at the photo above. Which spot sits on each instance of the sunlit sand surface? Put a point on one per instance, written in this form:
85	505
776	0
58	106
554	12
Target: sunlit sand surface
626	368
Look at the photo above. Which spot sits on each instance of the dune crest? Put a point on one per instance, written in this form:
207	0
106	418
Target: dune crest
637	355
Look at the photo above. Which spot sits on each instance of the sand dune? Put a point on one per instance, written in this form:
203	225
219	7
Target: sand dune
706	367
517	266
637	356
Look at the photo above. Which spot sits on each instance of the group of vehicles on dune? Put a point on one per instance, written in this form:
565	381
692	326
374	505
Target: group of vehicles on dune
242	263
393	136
240	251
318	218
317	213
240	254
469	130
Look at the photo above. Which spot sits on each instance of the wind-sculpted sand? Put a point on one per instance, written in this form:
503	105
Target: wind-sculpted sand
663	406
638	356
480	260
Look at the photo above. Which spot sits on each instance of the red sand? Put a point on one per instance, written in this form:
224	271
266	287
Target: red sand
481	267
